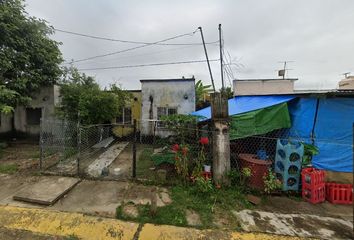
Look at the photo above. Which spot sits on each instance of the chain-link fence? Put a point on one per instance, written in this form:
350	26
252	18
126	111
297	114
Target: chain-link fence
165	151
58	146
106	151
153	151
95	151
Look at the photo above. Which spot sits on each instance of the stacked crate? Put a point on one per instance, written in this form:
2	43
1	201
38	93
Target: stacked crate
313	185
339	193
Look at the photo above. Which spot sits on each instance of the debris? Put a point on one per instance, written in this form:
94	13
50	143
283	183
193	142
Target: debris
253	199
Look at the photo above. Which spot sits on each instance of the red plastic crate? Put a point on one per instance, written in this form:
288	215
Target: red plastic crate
312	177
314	195
339	193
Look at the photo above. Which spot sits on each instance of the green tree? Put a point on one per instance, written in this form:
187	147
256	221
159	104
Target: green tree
82	98
201	91
29	59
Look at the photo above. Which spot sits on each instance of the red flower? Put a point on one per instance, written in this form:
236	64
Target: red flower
175	148
204	141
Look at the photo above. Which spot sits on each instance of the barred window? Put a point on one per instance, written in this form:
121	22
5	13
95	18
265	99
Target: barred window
164	111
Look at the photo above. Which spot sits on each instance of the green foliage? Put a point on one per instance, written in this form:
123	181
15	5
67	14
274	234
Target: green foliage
182	160
271	182
204	185
309	151
160	158
185	198
229	92
29	59
165	215
200	92
144	163
8	168
184	126
239	179
82	98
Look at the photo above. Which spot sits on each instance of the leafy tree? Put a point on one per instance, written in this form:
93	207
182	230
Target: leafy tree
29	59
83	99
201	91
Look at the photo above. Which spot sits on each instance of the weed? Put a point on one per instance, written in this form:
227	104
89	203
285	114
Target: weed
8	168
205	205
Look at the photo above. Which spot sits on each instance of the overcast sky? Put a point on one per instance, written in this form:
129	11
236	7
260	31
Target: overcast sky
317	35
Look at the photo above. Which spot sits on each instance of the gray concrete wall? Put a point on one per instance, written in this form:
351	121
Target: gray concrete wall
5	124
167	93
263	87
46	99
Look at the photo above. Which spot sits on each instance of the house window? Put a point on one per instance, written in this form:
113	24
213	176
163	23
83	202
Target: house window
125	117
164	111
33	116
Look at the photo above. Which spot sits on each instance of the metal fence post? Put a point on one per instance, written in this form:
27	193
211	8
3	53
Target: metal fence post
41	145
78	147
134	150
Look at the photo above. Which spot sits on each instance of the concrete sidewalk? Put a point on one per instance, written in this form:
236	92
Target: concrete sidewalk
101	199
49	222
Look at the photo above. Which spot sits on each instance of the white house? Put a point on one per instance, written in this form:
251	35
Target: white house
164	97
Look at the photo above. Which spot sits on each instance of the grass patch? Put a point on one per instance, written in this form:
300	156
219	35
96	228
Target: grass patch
144	163
8	168
217	202
164	215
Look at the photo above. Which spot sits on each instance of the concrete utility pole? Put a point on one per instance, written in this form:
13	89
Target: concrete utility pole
221	138
207	58
221	61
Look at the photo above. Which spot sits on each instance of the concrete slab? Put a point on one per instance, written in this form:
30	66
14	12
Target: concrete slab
301	225
47	190
94	197
105	159
104	143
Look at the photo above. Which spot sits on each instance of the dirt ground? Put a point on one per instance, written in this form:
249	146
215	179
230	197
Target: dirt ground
124	162
23	154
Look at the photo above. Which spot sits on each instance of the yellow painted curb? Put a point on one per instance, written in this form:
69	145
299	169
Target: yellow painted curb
164	232
65	224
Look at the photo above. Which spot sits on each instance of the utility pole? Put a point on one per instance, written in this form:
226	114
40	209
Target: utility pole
206	55
221	63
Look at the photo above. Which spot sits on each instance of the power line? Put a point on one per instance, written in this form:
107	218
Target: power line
133	48
143	54
147	65
127	41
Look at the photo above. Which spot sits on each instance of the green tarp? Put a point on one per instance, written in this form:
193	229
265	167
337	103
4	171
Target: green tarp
260	121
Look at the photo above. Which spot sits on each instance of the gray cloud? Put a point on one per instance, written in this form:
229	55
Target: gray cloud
317	35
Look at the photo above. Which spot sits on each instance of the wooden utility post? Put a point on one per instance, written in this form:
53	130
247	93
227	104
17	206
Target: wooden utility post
221	138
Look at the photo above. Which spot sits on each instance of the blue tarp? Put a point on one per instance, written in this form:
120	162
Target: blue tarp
333	130
243	104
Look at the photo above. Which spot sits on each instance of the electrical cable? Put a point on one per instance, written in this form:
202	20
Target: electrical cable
147	65
133	48
127	41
